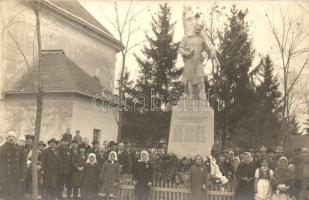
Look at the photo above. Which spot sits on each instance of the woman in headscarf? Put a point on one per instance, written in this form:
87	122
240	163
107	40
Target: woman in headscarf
90	180
109	177
263	175
198	179
143	174
282	173
245	179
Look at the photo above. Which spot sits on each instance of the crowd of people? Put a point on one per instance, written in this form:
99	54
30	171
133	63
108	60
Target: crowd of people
93	171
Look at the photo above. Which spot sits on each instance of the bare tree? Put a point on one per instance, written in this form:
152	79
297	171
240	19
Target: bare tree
125	30
290	36
34	69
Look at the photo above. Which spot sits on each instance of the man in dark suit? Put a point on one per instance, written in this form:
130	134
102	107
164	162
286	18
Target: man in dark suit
65	168
67	136
51	168
11	168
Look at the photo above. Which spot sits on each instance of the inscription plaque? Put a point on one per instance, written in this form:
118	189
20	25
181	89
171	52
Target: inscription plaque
192	130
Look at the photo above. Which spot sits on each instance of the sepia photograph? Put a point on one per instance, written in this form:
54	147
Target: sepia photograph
154	100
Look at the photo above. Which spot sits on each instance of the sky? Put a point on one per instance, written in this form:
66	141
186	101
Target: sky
263	40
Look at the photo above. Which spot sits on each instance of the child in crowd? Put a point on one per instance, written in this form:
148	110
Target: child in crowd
90	180
109	178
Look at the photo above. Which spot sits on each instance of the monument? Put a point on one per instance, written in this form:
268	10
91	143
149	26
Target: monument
192	122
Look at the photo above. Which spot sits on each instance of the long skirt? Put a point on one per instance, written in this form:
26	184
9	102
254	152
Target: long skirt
264	190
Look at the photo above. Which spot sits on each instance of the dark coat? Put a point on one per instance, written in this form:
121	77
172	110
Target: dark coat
245	188
123	160
65	161
90	180
109	175
67	137
143	174
198	177
12	169
51	167
78	160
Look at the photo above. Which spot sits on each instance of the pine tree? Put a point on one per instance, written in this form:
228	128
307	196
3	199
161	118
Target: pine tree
268	90
236	53
158	75
263	125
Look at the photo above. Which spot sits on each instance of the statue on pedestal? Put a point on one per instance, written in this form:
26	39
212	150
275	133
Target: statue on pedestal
194	47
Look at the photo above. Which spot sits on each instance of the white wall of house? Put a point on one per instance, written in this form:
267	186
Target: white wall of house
19	115
87	117
93	55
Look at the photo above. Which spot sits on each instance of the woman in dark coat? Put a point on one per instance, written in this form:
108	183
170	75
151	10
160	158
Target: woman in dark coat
228	169
78	166
90	179
143	176
245	179
109	177
198	179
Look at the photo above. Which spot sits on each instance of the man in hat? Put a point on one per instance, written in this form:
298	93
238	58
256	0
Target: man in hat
65	168
11	168
86	144
50	167
263	152
113	146
28	152
74	147
95	147
29	141
41	146
123	159
271	159
77	137
67	136
78	166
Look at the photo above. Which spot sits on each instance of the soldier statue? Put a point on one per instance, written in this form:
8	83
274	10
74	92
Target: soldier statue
193	48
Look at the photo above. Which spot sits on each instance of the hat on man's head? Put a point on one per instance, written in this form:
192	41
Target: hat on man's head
263	149
41	143
28	137
52	140
112	143
95	142
82	146
74	141
279	149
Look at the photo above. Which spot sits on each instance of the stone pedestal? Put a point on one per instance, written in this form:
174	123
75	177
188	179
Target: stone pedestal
192	128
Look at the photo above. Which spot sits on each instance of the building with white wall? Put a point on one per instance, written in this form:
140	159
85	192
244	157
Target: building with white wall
78	63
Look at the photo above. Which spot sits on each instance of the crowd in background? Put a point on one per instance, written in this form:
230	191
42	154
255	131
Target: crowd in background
91	171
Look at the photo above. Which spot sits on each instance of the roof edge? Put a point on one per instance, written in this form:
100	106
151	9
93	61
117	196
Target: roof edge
53	92
116	43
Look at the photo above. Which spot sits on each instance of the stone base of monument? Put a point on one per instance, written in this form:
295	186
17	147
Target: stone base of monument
192	128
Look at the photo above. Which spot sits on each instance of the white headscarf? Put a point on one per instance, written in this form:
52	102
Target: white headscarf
147	156
95	158
115	154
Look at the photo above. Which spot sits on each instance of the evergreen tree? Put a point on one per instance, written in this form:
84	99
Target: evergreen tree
268	91
263	125
158	78
236	53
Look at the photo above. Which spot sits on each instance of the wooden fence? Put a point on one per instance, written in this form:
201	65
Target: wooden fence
172	191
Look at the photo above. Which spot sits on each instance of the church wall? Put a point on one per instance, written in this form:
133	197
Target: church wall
86	118
18	113
92	55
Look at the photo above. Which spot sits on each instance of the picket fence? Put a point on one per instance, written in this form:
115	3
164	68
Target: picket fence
171	191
